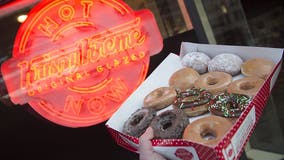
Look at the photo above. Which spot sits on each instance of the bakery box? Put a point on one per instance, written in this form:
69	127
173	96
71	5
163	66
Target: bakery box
232	144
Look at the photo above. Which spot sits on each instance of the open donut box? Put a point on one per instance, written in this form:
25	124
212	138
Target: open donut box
232	144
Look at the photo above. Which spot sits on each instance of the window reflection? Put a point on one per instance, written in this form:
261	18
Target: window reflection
170	15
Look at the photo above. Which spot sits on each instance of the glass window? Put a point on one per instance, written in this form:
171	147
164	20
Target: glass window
170	15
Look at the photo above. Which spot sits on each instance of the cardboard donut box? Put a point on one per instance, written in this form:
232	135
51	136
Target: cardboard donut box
232	144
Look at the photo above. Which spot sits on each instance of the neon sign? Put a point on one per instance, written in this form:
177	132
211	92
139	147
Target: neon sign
76	61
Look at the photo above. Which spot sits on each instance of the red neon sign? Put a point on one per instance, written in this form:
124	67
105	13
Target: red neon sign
76	61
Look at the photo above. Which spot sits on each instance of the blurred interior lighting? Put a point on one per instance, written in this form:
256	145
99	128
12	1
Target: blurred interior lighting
22	18
224	9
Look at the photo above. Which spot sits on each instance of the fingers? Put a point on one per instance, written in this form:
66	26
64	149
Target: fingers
147	135
145	147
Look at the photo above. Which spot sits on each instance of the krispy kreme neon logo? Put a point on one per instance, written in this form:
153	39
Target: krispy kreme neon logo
49	70
76	61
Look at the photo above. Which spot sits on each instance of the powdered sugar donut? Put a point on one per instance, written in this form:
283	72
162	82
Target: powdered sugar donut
196	60
226	62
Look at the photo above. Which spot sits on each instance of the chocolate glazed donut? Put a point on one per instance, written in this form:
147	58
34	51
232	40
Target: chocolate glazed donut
138	122
169	124
193	101
229	104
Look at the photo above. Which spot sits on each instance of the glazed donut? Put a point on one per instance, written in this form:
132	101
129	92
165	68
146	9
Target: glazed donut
214	82
138	122
193	101
183	78
229	63
196	60
169	124
160	98
207	130
247	86
257	67
229	105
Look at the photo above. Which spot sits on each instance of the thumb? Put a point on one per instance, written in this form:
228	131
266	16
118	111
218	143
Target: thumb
146	151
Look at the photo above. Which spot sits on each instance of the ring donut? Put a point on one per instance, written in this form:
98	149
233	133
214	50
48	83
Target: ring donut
169	124
160	98
214	82
229	105
207	130
138	122
183	78
247	86
193	101
259	67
